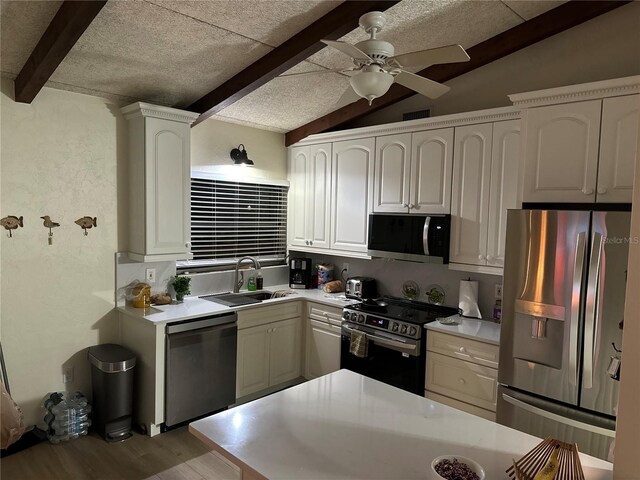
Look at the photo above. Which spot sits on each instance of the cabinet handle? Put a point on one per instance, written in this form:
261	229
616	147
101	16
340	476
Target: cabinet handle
602	191
587	191
461	381
411	205
462	350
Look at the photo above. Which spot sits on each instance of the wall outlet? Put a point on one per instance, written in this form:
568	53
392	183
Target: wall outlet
150	275
345	266
67	375
499	291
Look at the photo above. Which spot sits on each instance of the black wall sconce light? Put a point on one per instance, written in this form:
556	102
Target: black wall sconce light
239	156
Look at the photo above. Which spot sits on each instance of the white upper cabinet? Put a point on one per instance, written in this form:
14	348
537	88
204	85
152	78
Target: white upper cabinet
485	186
580	152
159	182
413	172
431	169
618	148
392	173
503	195
352	187
310	195
470	199
561	151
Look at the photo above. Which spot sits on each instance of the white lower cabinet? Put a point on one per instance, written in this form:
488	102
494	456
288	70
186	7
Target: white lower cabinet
322	340
269	347
462	373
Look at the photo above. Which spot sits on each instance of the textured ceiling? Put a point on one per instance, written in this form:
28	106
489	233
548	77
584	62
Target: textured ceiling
172	52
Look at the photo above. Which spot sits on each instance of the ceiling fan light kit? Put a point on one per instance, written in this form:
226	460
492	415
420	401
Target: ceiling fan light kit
240	157
377	67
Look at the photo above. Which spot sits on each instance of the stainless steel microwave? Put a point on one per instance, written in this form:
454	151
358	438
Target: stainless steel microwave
417	238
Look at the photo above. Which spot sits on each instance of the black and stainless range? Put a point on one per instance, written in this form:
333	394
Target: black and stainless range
396	337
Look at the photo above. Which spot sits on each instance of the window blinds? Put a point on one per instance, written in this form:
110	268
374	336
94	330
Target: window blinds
232	219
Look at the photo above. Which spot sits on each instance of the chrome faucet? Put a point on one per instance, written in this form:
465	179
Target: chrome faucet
237	284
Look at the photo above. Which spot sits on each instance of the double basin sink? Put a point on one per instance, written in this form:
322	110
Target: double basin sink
237	299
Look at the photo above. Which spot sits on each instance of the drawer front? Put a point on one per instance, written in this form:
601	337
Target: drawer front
463	348
262	315
324	313
468	382
465	407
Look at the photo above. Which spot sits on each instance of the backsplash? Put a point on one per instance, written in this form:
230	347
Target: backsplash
127	271
391	274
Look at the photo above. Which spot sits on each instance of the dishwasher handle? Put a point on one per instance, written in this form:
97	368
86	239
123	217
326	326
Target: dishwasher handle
196	324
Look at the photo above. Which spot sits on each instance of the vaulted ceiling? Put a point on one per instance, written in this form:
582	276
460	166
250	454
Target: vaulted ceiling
173	52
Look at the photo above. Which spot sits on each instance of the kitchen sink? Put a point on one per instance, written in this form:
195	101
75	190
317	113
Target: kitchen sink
237	299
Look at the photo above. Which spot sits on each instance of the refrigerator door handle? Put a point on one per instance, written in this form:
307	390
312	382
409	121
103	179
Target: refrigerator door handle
578	271
558	418
591	314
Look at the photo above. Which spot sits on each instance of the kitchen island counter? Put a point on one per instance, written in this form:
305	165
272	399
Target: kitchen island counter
344	425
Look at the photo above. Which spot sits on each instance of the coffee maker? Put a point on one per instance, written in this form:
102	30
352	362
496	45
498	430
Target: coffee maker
300	273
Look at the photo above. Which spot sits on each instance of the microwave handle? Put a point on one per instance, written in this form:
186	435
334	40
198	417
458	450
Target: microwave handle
425	235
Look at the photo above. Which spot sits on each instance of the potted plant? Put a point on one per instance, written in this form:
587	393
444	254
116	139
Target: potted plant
180	284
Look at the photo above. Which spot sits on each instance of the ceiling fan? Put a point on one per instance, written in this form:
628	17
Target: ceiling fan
376	67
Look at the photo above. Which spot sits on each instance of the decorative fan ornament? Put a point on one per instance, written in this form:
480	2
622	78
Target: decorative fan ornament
376	68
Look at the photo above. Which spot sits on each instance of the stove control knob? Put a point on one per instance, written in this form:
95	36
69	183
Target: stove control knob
413	331
354	315
360	318
346	315
403	329
394	327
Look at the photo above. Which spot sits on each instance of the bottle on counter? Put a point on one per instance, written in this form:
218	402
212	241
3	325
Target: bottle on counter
497	310
251	284
259	281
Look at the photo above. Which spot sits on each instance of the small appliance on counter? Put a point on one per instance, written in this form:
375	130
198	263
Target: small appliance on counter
361	288
300	273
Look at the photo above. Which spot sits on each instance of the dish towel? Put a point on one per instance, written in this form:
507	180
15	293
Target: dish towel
358	344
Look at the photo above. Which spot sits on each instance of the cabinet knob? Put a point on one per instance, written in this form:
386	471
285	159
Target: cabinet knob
306	242
310	242
411	205
480	257
461	381
462	350
602	191
587	191
188	244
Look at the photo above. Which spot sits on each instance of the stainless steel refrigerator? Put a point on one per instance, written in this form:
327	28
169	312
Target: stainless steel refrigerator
563	304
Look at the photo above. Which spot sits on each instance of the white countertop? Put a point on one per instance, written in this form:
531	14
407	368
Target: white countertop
482	330
194	307
347	426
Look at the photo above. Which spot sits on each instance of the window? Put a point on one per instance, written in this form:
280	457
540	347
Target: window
231	219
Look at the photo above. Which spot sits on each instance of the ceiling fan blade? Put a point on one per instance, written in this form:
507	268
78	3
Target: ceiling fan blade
347	48
432	56
421	85
346	71
349	96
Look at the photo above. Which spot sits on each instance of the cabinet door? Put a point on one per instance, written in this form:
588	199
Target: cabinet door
431	169
298	167
470	198
352	180
285	350
168	186
505	164
392	173
319	198
323	349
561	152
253	360
618	148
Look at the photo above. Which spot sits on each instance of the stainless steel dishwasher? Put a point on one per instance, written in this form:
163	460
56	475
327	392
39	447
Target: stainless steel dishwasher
200	367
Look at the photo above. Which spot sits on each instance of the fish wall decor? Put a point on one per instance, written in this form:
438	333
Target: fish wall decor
86	223
10	223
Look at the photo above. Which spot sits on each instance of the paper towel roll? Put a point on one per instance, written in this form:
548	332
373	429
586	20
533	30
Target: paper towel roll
468	299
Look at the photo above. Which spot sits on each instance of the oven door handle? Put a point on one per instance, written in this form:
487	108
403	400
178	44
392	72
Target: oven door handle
395	344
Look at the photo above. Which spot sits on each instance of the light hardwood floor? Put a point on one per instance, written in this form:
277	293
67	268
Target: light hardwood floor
173	455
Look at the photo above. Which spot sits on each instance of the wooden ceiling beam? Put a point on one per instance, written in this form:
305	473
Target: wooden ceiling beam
338	22
554	21
68	25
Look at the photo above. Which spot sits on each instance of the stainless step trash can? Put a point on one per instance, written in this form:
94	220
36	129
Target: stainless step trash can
112	382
